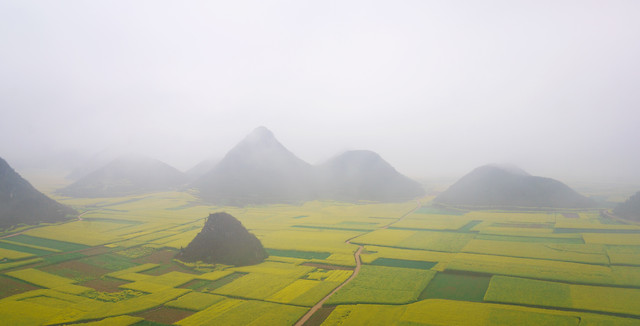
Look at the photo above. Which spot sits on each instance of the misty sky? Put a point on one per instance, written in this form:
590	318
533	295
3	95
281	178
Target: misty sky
435	87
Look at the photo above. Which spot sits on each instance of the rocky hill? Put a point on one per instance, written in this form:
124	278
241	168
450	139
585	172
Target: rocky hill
127	175
21	203
364	175
630	209
258	170
224	240
499	186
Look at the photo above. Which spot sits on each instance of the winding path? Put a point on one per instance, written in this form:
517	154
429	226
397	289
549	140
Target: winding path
356	255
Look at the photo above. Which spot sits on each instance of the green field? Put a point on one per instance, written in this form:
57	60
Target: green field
434	266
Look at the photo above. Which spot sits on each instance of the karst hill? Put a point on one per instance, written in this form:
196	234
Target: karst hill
224	240
260	170
127	175
21	203
364	175
630	209
508	186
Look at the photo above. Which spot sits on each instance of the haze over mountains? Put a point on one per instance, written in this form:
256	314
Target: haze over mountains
21	203
260	170
127	175
630	209
509	186
364	175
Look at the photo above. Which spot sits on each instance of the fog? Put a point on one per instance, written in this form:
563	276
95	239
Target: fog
435	87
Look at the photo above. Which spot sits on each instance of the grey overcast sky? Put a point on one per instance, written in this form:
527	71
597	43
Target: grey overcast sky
436	87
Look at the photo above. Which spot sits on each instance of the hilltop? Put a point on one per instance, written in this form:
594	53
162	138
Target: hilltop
224	240
258	170
364	175
21	203
630	209
494	185
127	175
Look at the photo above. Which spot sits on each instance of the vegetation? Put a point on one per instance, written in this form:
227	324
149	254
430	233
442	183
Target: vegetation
223	240
116	266
22	204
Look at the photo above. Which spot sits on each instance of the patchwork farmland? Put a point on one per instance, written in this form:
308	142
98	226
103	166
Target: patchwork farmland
416	264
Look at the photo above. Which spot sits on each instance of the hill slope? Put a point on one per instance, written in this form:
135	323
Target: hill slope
630	209
258	170
127	175
492	185
223	240
364	175
21	203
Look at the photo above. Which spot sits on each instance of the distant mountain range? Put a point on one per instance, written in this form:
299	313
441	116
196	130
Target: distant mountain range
260	170
21	203
127	175
630	209
509	186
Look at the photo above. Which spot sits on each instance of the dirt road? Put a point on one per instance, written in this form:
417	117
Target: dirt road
356	255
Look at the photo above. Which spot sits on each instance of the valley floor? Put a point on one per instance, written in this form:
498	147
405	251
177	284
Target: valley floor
420	265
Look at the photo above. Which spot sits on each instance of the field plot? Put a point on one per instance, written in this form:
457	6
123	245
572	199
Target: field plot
449	312
303	292
431	222
624	255
240	312
195	301
504	289
457	286
581	253
426	240
381	284
546	269
372	253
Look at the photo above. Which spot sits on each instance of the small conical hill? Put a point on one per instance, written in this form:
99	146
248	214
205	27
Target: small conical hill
224	240
258	170
497	186
127	175
364	175
630	209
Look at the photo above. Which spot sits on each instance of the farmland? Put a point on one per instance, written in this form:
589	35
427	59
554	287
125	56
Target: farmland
419	266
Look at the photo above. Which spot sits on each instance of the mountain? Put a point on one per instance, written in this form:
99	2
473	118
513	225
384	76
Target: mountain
127	175
223	240
201	168
21	203
494	185
630	209
258	170
364	175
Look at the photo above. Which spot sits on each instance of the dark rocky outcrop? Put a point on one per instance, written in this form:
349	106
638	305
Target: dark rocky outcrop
500	186
258	170
364	175
630	209
21	203
223	240
127	175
